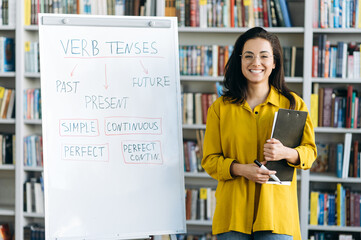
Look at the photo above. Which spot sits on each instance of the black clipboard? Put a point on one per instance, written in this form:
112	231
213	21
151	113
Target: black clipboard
288	126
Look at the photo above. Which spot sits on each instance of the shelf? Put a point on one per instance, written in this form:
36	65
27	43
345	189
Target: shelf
336	80
334	228
34	215
199	222
8	167
238	30
7	28
32	121
32	75
31	28
220	79
332	179
7	74
337	130
199	180
33	169
197	175
194	126
7	121
201	78
294	79
337	30
7	210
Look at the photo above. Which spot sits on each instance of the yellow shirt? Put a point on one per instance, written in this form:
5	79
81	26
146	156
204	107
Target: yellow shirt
236	133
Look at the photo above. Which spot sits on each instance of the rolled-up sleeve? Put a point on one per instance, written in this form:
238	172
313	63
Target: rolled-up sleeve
213	162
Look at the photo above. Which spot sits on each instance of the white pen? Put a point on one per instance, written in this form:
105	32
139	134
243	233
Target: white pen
274	177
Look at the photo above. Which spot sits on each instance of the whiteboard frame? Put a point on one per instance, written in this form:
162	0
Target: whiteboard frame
111	21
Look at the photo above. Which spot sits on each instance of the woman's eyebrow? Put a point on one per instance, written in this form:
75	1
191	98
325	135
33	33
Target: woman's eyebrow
264	51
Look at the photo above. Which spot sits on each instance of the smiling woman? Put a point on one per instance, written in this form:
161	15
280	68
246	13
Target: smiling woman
257	66
238	132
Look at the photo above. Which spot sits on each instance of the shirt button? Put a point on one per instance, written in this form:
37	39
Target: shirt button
256	112
303	164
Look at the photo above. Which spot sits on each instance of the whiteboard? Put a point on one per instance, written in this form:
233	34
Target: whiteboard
112	138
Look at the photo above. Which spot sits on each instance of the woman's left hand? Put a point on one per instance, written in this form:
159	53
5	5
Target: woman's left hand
274	150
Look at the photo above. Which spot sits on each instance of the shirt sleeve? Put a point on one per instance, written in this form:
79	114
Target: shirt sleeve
213	162
307	149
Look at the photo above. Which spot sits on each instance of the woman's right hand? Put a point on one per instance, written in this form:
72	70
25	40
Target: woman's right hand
252	172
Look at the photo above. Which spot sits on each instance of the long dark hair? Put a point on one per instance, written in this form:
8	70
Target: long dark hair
234	81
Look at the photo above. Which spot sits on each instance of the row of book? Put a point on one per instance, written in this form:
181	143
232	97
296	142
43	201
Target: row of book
200	203
341	60
293	61
330	236
229	13
7	12
7	103
340	159
34	195
195	107
32	103
339	208
7	148
193	153
337	14
34	231
93	7
204	60
7	54
210	60
33	151
32	62
335	107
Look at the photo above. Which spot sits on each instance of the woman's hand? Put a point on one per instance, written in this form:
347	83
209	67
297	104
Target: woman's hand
274	150
252	172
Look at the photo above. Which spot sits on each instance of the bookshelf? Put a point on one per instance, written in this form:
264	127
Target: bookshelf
12	178
8	171
295	36
326	182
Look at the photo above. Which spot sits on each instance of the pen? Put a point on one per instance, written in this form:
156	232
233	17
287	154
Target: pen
274	177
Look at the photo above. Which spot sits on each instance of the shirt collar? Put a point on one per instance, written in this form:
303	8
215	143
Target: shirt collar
273	97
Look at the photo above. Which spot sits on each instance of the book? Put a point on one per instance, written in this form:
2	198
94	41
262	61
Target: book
322	161
327	107
5	233
339	159
279	14
346	155
39	198
285	13
313	207
288	128
321	210
331	210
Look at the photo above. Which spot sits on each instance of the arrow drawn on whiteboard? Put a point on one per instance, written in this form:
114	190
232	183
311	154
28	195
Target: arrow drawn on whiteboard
106	79
144	69
72	72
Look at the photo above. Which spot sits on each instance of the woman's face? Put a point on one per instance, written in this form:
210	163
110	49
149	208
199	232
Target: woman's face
257	61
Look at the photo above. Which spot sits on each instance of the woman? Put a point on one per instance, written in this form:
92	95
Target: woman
239	126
